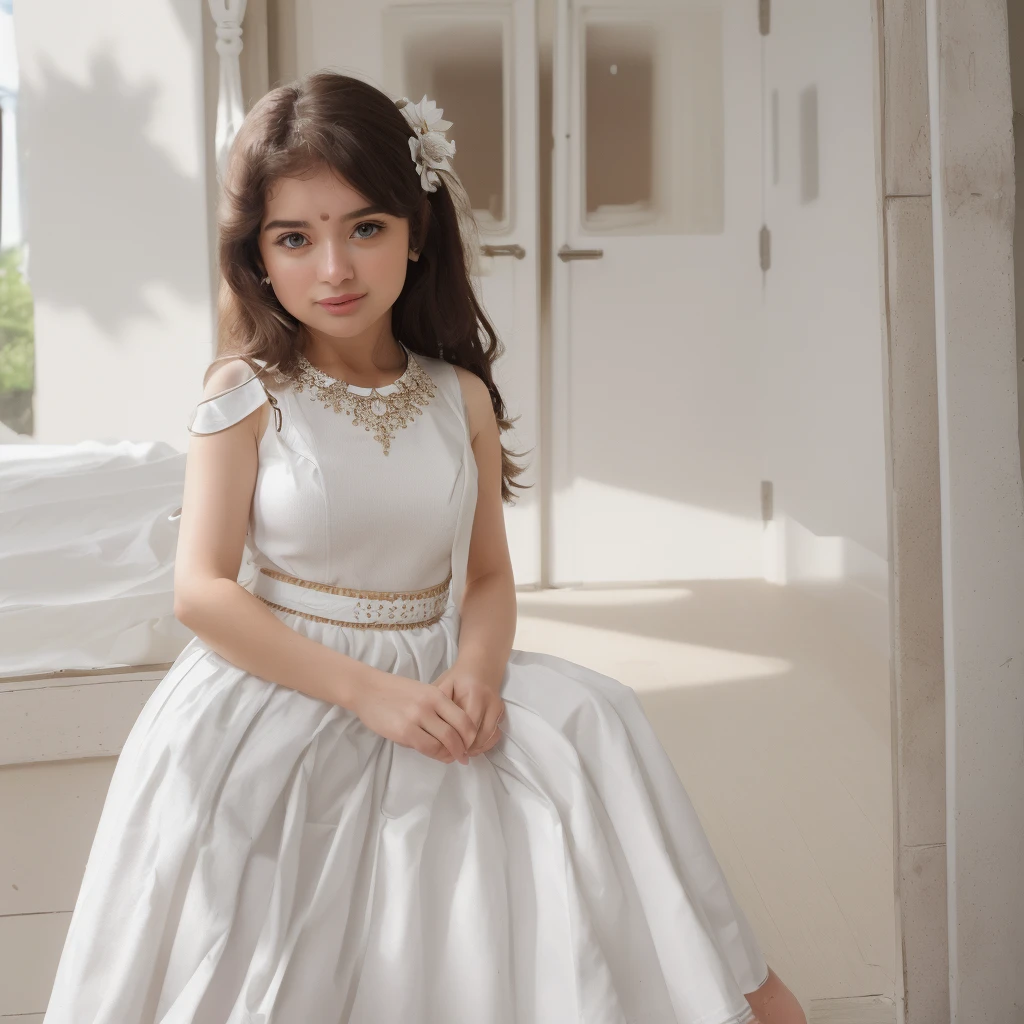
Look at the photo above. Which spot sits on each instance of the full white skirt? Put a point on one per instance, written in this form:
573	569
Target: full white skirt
265	858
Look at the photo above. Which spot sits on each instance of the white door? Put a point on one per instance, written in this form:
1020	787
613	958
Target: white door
821	361
478	62
656	291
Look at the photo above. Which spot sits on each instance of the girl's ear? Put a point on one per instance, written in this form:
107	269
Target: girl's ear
418	229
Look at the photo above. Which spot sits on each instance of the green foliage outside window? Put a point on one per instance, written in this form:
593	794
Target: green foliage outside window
16	325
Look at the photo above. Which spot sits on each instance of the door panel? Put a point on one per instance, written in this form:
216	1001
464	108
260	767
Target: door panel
478	62
656	292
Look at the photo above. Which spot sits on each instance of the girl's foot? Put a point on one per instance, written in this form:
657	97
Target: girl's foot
775	1004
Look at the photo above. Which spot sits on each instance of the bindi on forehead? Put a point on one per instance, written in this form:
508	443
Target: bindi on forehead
325	216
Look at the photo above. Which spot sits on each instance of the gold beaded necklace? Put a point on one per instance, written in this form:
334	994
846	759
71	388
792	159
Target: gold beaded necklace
381	409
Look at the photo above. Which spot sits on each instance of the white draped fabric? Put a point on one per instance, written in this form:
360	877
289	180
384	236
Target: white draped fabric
87	555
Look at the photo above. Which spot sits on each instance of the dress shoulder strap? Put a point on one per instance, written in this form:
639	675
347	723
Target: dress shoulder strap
243	391
446	378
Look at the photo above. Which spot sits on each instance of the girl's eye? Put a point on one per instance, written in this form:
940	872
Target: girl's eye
374	229
377	228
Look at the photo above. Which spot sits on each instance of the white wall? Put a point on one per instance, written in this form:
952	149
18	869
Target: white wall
821	366
111	125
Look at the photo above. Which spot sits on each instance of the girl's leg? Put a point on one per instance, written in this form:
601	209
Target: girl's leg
774	1003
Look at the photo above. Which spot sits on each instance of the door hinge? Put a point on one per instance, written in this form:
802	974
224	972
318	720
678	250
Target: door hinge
764	16
765	242
767	501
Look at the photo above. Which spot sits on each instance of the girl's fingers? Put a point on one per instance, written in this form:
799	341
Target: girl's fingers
486	743
429	745
455	728
491	719
450	712
452	741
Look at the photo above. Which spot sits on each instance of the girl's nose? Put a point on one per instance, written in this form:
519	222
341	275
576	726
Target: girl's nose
336	266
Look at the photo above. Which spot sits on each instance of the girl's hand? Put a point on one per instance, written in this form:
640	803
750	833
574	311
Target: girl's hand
415	715
479	699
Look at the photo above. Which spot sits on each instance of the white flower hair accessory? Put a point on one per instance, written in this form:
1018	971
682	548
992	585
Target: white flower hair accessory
430	149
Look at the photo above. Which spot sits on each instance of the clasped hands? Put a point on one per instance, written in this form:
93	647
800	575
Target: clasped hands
452	719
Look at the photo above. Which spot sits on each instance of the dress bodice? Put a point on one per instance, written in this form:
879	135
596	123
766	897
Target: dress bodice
351	499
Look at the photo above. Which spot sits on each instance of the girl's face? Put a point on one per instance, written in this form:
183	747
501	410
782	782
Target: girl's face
321	240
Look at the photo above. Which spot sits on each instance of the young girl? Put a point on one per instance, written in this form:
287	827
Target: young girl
350	801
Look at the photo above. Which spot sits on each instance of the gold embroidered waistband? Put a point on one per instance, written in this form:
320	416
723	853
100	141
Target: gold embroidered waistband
370	595
343	606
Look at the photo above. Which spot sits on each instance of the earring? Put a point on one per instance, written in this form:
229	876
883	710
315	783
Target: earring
265	280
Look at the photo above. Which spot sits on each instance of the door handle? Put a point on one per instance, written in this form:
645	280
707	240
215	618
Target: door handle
566	253
503	250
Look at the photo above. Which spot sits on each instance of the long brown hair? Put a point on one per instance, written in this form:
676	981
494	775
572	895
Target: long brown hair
342	123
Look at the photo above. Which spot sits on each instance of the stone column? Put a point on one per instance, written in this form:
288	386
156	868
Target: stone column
982	505
915	555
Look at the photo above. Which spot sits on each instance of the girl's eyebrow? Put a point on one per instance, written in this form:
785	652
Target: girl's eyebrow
364	212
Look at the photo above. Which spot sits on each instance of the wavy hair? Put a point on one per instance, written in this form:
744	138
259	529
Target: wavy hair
334	121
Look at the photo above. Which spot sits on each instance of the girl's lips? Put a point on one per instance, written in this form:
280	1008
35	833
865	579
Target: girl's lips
340	308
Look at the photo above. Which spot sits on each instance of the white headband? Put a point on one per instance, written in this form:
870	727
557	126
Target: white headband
430	149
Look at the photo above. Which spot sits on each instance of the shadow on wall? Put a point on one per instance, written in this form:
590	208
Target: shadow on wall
140	194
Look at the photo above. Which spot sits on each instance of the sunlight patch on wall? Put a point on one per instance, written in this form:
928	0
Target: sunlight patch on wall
706	542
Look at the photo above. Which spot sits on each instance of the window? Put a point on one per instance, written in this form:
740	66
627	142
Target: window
653	149
17	357
461	62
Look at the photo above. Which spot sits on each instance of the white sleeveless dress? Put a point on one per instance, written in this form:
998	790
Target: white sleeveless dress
264	857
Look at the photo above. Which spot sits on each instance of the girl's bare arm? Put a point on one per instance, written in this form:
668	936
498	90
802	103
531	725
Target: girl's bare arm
488	626
220	477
